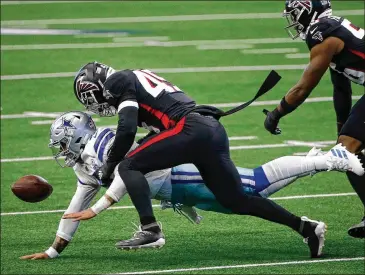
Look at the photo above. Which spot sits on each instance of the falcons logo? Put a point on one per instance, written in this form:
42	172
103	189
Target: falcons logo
318	36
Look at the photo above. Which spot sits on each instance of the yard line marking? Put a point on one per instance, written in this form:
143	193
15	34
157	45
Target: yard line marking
129	42
297	55
157	205
5	3
270	51
318	144
140	38
224	47
241	266
219	105
232	148
312	196
169	18
171	71
71	46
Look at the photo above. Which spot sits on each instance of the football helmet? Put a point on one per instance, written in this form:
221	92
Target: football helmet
89	88
68	136
301	13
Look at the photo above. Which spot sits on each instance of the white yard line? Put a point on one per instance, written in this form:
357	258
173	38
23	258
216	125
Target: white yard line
6	3
219	105
270	51
171	71
157	205
224	47
131	42
242	266
171	18
241	147
297	56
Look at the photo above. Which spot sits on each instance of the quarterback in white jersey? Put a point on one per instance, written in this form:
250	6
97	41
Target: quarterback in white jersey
85	148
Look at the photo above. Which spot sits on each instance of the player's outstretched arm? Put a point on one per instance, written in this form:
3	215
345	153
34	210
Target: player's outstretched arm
66	229
320	59
115	192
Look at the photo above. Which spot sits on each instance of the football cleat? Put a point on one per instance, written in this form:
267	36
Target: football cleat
315	241
339	159
358	230
142	239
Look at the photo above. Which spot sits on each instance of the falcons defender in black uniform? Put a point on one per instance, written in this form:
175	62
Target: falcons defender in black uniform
336	43
181	133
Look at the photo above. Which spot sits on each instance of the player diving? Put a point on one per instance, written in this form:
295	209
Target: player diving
334	43
76	142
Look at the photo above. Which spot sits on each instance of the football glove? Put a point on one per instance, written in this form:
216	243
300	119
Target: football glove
271	123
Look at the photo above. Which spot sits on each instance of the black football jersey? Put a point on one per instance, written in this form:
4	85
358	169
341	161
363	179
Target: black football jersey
161	104
351	60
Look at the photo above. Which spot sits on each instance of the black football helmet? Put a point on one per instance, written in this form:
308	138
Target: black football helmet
301	13
89	88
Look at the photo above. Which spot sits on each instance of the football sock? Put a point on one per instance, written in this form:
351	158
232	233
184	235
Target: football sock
293	166
139	192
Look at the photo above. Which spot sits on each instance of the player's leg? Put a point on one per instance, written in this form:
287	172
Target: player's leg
222	178
352	136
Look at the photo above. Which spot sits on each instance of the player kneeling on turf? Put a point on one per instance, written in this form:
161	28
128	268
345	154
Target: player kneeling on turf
85	148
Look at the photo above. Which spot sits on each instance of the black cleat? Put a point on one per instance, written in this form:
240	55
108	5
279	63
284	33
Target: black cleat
358	230
142	239
316	239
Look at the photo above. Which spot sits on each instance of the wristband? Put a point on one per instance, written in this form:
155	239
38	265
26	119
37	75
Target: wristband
102	204
52	253
286	107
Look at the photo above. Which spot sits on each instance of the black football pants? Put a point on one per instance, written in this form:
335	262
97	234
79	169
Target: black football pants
202	141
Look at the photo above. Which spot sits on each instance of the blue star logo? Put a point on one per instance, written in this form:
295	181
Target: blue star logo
66	124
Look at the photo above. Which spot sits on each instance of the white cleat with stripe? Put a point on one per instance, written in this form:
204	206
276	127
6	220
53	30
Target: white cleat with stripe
339	159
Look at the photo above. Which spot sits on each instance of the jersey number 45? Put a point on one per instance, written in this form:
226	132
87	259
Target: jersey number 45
154	84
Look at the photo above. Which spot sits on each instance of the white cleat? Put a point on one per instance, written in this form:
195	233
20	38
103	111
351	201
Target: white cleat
339	159
316	240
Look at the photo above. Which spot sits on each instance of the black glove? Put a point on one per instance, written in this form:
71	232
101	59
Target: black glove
272	121
105	173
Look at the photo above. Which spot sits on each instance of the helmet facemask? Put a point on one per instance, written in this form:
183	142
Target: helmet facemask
91	96
62	149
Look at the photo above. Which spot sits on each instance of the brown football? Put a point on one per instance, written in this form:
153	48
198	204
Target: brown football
32	188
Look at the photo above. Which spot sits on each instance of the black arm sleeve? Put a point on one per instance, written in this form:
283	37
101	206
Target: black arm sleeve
342	97
126	132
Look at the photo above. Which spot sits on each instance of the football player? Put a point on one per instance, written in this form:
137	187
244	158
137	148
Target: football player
335	43
84	147
193	133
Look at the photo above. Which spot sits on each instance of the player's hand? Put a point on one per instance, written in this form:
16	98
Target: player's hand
271	123
80	216
35	256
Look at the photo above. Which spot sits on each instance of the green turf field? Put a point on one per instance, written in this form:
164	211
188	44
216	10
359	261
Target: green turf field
232	244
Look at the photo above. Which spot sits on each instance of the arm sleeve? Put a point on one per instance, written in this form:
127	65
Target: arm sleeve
342	97
117	188
80	201
125	134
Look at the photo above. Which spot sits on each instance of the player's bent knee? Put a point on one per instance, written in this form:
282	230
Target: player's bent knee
351	144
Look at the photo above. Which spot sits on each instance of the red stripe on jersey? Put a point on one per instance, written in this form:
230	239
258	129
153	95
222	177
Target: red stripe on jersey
362	55
153	85
165	120
166	134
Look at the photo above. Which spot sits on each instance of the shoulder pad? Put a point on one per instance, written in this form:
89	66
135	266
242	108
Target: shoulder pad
320	29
